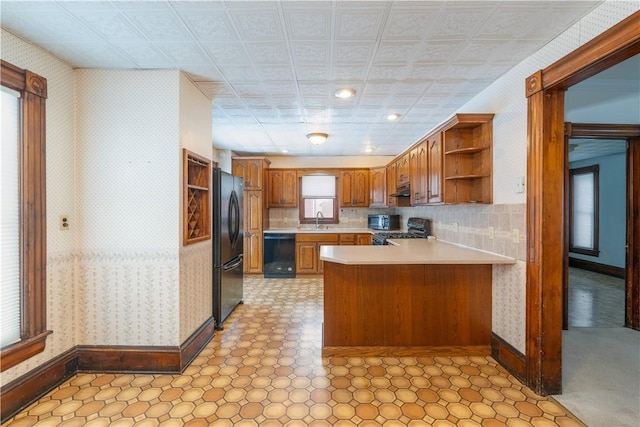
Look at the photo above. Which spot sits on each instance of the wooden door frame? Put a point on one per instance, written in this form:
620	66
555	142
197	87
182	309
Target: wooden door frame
545	194
629	133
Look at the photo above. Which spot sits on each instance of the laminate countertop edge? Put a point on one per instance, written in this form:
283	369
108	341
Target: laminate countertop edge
411	251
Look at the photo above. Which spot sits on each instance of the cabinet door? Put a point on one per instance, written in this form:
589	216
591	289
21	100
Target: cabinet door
378	187
414	177
360	191
306	257
251	171
346	188
253	174
363	239
391	185
434	182
253	253
289	189
402	170
276	185
253	211
422	173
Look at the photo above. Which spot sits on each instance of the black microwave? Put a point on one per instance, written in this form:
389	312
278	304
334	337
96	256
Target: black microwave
384	222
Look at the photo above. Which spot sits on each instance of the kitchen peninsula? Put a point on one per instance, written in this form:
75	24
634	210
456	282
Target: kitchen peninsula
415	296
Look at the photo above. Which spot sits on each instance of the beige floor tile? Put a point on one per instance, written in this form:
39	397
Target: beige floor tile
265	369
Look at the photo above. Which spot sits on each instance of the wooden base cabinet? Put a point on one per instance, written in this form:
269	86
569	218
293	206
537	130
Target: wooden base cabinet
253	252
308	251
308	248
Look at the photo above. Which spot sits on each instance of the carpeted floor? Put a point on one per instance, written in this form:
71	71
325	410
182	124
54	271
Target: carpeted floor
601	376
600	358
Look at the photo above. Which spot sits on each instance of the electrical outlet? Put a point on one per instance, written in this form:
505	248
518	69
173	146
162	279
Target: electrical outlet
516	235
491	233
64	222
455	227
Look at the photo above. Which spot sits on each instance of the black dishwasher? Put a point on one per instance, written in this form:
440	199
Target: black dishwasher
279	255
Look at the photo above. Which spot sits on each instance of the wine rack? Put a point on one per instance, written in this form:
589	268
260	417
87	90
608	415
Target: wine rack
197	201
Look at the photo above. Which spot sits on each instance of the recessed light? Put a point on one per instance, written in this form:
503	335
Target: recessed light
345	93
284	150
393	116
368	149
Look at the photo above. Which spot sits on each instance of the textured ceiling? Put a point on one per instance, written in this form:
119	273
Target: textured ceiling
271	67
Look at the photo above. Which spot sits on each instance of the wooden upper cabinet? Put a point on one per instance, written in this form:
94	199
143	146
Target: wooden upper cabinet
283	188
252	170
434	169
354	188
418	172
391	184
402	170
378	187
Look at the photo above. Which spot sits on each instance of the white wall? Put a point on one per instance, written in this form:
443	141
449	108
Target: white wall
62	314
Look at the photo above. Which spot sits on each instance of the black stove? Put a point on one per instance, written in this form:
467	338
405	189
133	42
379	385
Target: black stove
417	228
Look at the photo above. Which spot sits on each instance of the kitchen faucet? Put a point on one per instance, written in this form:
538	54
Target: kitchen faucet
318	216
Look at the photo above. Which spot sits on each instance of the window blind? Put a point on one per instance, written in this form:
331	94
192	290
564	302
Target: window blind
9	220
583	210
318	186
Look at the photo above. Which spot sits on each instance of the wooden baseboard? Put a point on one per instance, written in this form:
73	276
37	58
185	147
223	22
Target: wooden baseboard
24	390
406	351
509	357
196	342
131	359
597	267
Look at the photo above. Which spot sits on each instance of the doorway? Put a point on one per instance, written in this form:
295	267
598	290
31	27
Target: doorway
546	158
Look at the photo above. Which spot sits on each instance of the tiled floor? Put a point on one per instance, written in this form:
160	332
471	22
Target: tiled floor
595	300
265	369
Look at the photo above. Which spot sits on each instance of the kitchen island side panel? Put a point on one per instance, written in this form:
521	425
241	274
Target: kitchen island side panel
407	305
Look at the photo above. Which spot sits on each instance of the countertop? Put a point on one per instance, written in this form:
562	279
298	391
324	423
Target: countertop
323	230
411	251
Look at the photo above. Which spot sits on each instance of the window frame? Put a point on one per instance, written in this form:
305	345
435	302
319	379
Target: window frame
33	232
304	220
595	171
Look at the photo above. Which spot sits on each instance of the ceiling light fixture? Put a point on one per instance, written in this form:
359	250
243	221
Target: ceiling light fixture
393	116
345	93
368	150
285	151
317	138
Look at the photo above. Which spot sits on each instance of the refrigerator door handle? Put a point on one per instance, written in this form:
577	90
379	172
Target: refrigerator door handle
234	219
234	263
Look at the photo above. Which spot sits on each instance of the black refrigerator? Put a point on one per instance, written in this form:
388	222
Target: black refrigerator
227	245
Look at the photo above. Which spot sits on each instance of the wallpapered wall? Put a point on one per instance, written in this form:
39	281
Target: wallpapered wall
120	275
196	299
127	190
62	310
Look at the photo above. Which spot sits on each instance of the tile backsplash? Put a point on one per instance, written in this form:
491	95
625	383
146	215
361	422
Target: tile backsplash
468	225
